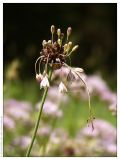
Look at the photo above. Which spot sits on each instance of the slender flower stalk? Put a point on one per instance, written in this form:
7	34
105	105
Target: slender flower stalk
39	117
54	55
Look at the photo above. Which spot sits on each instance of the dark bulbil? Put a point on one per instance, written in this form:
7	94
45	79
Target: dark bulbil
53	54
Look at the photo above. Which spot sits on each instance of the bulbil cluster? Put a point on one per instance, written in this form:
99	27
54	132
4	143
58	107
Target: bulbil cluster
54	54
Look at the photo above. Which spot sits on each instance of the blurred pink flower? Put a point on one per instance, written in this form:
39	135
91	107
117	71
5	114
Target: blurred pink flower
56	98
58	136
63	72
44	131
50	109
19	104
100	127
8	122
111	148
17	109
102	138
23	142
113	108
18	113
96	84
99	87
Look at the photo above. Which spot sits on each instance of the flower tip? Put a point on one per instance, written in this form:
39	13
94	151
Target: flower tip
69	30
49	41
52	29
70	44
75	48
44	43
58	32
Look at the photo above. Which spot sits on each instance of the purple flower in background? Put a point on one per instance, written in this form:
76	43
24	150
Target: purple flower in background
56	98
17	109
8	122
19	104
104	134
98	86
58	136
50	109
44	131
22	141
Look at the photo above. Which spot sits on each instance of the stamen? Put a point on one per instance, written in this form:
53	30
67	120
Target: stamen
39	65
52	31
36	63
74	49
46	65
58	33
69	30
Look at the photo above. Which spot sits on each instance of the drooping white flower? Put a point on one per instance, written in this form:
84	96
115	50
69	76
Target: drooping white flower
62	88
39	77
44	83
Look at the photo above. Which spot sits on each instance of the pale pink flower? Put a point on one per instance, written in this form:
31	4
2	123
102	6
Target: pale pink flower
50	109
62	88
8	122
39	77
22	141
44	83
56	98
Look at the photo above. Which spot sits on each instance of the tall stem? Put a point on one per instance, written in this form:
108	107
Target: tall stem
39	117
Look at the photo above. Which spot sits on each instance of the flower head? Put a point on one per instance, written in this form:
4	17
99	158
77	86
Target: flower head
54	55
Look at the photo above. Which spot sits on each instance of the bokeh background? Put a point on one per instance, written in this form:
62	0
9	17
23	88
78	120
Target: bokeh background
94	28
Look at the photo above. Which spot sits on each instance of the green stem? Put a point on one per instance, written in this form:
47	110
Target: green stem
39	117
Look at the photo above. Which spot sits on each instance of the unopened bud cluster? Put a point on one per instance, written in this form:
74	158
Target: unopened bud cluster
54	54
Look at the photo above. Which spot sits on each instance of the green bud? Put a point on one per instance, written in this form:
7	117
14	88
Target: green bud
70	44
69	30
58	32
59	42
75	48
65	47
52	29
62	35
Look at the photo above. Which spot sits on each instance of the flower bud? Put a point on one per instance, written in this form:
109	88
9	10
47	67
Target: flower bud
58	32
52	29
59	42
44	42
69	30
49	41
75	48
62	35
65	47
70	44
